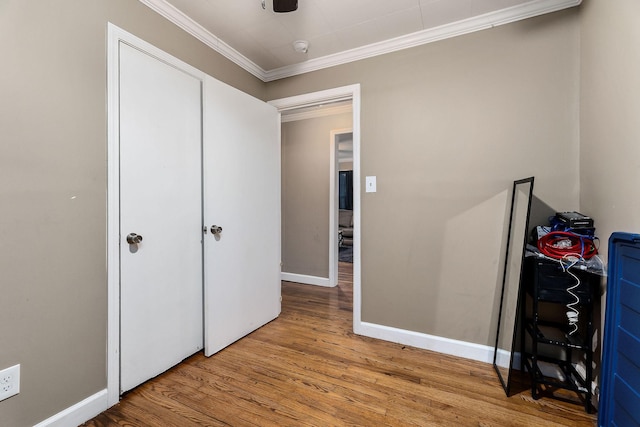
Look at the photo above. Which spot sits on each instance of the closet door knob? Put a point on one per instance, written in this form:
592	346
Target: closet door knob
215	229
133	238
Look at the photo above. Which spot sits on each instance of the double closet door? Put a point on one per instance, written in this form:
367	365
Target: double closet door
199	214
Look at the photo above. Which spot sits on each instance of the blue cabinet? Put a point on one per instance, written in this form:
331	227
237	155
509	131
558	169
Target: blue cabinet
620	390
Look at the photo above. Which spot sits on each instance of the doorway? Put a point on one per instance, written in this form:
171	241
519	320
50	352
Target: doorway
341	206
344	93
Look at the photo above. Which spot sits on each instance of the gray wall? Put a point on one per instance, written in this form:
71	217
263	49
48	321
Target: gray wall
346	166
610	116
446	127
305	193
609	124
53	282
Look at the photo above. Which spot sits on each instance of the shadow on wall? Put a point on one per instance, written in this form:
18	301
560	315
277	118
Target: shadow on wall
540	213
468	280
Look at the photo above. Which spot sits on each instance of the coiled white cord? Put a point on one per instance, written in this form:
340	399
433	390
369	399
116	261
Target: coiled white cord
567	262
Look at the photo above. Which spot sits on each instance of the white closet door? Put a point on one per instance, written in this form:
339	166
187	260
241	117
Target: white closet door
241	195
160	200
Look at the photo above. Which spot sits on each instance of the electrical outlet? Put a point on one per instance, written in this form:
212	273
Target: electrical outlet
9	382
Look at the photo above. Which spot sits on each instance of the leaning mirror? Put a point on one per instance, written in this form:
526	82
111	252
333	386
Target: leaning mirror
503	358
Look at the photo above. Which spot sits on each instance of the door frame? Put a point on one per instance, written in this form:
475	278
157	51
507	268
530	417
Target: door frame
334	168
116	35
343	93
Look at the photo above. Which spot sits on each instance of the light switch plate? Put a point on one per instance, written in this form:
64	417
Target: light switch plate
370	184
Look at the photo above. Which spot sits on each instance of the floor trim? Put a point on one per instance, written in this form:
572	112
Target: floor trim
466	350
306	280
79	413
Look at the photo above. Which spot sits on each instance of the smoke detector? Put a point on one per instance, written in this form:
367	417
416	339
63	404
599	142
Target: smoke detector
301	46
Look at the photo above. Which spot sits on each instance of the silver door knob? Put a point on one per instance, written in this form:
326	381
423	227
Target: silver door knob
216	229
133	238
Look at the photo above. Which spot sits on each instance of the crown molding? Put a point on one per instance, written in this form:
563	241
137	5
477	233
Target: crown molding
430	35
176	16
320	112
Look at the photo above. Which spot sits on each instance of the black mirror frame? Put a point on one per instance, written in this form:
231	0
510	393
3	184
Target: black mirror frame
506	383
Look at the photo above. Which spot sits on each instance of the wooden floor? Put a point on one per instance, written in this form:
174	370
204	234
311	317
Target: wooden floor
307	368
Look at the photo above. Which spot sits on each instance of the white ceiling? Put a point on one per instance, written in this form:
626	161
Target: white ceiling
338	29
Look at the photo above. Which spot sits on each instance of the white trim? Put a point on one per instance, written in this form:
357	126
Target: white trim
467	350
334	203
488	20
342	93
306	280
504	357
429	35
320	112
183	21
333	209
113	217
357	259
464	349
79	413
351	92
115	36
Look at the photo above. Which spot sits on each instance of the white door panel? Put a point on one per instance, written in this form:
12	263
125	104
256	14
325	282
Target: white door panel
160	199
242	195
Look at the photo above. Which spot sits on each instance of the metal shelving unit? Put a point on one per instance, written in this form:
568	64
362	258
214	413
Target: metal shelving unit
552	350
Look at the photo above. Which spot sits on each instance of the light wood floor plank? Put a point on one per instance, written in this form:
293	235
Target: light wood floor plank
307	368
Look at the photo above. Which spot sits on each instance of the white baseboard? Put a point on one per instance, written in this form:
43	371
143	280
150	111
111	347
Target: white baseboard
482	353
78	413
307	280
504	357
